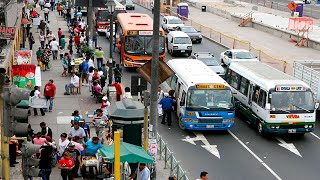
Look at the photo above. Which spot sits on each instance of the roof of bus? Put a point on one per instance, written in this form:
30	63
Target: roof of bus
264	75
135	21
193	72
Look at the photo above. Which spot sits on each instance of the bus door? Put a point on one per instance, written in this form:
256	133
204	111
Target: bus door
181	102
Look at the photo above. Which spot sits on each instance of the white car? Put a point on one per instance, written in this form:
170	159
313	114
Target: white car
108	30
232	55
170	23
208	59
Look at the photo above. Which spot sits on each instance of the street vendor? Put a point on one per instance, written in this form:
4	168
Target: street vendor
92	146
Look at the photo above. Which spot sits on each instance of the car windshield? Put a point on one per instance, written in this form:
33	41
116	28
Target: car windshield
141	45
209	99
243	55
175	21
188	30
182	40
209	61
292	101
103	15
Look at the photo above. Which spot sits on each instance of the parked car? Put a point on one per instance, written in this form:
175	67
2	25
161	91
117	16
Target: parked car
170	23
307	1
232	55
108	30
194	35
178	42
129	5
208	59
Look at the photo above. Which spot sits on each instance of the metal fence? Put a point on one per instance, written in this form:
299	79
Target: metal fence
169	160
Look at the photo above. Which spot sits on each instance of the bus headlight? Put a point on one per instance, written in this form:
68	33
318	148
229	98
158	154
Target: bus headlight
305	126
272	127
277	127
191	120
189	47
227	120
310	126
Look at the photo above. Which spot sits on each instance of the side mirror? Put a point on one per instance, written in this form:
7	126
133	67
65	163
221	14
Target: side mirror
316	106
268	106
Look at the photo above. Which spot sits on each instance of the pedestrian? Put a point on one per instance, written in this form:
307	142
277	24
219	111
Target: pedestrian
78	146
141	173
76	117
100	121
54	48
76	156
99	56
35	94
45	130
117	72
86	129
92	146
50	93
39	54
95	39
63	144
42	27
42	39
13	151
96	75
44	164
160	96
68	17
118	87
114	43
70	43
171	95
52	3
127	93
76	130
65	63
59	35
39	140
45	59
74	82
167	104
46	13
50	37
31	40
90	75
203	176
59	8
62	42
85	72
66	164
42	3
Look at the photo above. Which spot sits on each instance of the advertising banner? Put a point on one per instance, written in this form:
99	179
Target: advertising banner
22	57
7	32
24	76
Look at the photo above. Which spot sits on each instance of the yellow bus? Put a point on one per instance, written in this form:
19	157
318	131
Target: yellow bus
135	42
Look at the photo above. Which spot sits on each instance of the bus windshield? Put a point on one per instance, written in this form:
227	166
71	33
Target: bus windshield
209	99
103	15
294	101
142	45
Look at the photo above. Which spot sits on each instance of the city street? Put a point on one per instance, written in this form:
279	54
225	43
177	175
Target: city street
243	153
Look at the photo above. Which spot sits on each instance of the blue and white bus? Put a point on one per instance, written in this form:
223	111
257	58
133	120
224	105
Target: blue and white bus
204	99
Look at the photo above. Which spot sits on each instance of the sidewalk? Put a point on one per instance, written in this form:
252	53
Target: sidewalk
59	119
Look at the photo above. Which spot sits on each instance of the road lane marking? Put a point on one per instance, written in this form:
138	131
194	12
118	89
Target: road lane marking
213	149
288	146
316	136
256	156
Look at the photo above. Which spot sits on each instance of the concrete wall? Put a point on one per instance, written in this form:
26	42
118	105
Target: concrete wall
12	13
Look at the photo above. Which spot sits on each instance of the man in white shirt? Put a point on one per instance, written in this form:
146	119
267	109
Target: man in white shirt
91	63
50	37
54	48
46	13
82	24
73	83
142	173
42	3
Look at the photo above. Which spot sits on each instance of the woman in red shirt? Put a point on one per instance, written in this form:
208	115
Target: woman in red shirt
96	75
66	164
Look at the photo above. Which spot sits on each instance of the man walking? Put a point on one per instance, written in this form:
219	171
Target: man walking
85	71
45	130
74	82
50	93
52	2
142	173
167	104
54	48
99	55
42	3
100	121
46	13
59	35
118	87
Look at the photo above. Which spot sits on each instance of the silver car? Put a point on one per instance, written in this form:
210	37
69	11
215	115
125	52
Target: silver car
209	59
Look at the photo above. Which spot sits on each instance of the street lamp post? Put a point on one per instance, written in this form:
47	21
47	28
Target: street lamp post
112	4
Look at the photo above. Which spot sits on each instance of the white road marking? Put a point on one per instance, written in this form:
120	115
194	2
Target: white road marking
316	136
255	156
213	149
288	146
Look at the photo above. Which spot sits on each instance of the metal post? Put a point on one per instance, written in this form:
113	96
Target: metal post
111	46
145	124
117	155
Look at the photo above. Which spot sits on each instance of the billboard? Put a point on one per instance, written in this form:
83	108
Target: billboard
7	32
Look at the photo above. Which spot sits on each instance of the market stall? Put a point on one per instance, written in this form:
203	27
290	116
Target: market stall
75	64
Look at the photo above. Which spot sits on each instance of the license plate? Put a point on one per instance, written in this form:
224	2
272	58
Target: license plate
292	130
183	51
194	39
210	126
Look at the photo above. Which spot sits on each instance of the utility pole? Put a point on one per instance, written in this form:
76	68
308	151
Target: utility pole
111	46
155	69
90	23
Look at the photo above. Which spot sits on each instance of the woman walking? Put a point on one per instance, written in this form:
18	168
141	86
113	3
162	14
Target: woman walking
42	39
66	164
45	59
35	94
31	40
63	143
65	63
44	164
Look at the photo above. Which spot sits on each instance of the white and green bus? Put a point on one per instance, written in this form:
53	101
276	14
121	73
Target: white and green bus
204	99
274	102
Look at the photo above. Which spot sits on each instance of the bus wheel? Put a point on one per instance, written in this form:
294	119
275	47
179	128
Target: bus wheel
260	129
181	125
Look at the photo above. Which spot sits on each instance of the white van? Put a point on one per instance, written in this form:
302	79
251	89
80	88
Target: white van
178	42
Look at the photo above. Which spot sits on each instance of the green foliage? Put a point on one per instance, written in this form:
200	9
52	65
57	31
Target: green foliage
87	50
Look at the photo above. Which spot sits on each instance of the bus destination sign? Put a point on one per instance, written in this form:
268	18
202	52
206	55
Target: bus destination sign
146	33
210	86
290	88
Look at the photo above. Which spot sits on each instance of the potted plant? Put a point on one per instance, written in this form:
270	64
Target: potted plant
87	51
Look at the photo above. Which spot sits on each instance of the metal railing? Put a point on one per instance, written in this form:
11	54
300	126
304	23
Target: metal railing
169	160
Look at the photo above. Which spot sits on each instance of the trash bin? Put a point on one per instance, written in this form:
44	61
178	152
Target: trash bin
182	10
204	8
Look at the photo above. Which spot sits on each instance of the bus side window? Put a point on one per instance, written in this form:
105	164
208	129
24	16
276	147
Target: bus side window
174	82
244	85
178	89
262	98
256	93
183	98
234	80
169	81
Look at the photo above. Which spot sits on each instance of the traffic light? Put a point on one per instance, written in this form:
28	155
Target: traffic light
30	165
15	119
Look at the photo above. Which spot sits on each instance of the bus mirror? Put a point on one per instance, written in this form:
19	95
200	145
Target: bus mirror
316	105
268	106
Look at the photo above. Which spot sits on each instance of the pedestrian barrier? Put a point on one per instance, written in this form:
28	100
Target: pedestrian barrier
167	155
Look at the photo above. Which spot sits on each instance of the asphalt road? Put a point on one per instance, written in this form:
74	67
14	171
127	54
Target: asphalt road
238	154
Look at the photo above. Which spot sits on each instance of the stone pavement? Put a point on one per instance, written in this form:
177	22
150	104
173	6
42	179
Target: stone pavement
59	119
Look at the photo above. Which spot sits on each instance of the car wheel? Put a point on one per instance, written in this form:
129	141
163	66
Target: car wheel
260	129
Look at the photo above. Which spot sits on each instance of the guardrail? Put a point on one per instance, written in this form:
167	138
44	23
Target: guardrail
169	159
